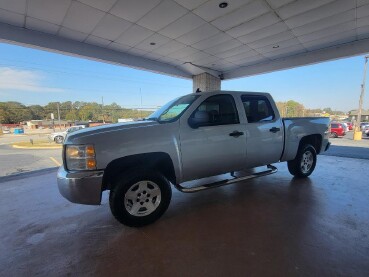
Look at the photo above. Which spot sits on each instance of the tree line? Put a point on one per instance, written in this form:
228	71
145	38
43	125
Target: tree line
15	112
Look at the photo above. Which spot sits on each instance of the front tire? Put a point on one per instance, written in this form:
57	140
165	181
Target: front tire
140	198
304	163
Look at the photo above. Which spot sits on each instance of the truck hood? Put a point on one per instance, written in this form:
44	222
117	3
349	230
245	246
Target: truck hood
109	128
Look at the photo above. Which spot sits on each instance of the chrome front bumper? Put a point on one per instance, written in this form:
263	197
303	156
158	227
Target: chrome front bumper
80	187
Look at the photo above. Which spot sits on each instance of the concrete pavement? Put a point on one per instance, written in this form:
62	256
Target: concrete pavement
271	226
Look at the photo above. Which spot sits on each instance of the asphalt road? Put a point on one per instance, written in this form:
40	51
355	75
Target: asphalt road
13	161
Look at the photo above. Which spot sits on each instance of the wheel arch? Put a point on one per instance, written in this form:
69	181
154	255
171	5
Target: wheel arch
159	161
315	140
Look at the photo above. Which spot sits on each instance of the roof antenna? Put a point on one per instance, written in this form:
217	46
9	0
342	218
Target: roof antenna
198	90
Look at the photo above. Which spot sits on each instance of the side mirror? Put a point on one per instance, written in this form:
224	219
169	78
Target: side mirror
198	119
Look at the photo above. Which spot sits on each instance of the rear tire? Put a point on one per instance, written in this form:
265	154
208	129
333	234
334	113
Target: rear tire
140	198
334	135
304	163
59	139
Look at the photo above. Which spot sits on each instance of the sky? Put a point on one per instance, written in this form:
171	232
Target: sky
33	76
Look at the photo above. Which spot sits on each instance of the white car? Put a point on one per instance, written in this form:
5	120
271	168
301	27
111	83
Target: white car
59	137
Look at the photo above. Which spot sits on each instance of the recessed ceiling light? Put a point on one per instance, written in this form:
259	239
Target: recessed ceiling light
152	43
223	5
275	46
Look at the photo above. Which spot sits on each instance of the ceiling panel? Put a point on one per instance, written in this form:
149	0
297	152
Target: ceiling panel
12	18
191	4
324	11
223	46
111	27
241	15
134	35
104	5
234	51
271	39
210	10
182	26
212	41
184	52
17	6
206	60
242	56
325	23
263	33
156	39
251	60
254	25
97	41
283	52
278	3
82	18
201	33
279	45
197	56
42	26
137	52
72	34
300	6
328	31
363	21
162	15
363	11
328	41
169	47
133	10
52	11
119	47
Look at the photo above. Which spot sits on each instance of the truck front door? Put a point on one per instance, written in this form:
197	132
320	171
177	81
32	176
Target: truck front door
264	131
217	143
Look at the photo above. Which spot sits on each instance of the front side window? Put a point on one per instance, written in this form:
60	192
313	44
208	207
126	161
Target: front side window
173	110
216	110
257	108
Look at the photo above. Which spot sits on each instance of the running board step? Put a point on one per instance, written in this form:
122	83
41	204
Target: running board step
271	169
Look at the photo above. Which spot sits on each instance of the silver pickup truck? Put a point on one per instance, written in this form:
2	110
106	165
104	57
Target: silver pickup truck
192	137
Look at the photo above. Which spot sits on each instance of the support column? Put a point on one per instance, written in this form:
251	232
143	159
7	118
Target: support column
205	82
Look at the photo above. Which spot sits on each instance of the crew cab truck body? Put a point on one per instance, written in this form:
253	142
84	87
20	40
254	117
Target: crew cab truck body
192	137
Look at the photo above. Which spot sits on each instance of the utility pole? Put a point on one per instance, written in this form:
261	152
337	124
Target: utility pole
59	115
102	108
357	132
141	104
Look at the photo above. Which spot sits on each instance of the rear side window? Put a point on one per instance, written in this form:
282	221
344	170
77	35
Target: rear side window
334	125
220	110
257	108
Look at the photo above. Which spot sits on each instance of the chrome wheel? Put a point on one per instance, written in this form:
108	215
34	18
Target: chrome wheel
307	162
59	139
142	198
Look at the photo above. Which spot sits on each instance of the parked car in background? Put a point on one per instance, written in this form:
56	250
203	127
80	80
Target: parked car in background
345	126
350	126
59	137
337	130
366	130
363	124
6	131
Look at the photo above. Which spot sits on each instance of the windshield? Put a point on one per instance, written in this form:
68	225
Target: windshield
173	110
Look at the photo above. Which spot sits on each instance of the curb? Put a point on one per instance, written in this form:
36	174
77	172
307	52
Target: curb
37	148
27	174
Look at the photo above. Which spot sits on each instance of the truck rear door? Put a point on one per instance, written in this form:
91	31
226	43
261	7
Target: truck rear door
264	130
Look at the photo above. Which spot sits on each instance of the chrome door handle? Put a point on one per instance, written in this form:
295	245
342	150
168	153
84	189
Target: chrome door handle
236	134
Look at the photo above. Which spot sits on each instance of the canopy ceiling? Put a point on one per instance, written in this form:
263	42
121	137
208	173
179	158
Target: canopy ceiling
187	37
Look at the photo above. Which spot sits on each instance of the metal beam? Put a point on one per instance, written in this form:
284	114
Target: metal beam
331	53
38	40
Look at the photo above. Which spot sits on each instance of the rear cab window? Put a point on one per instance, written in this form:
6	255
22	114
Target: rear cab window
257	108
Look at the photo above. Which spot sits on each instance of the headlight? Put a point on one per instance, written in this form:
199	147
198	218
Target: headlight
80	157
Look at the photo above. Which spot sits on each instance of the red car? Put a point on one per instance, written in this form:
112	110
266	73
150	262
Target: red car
337	130
349	125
